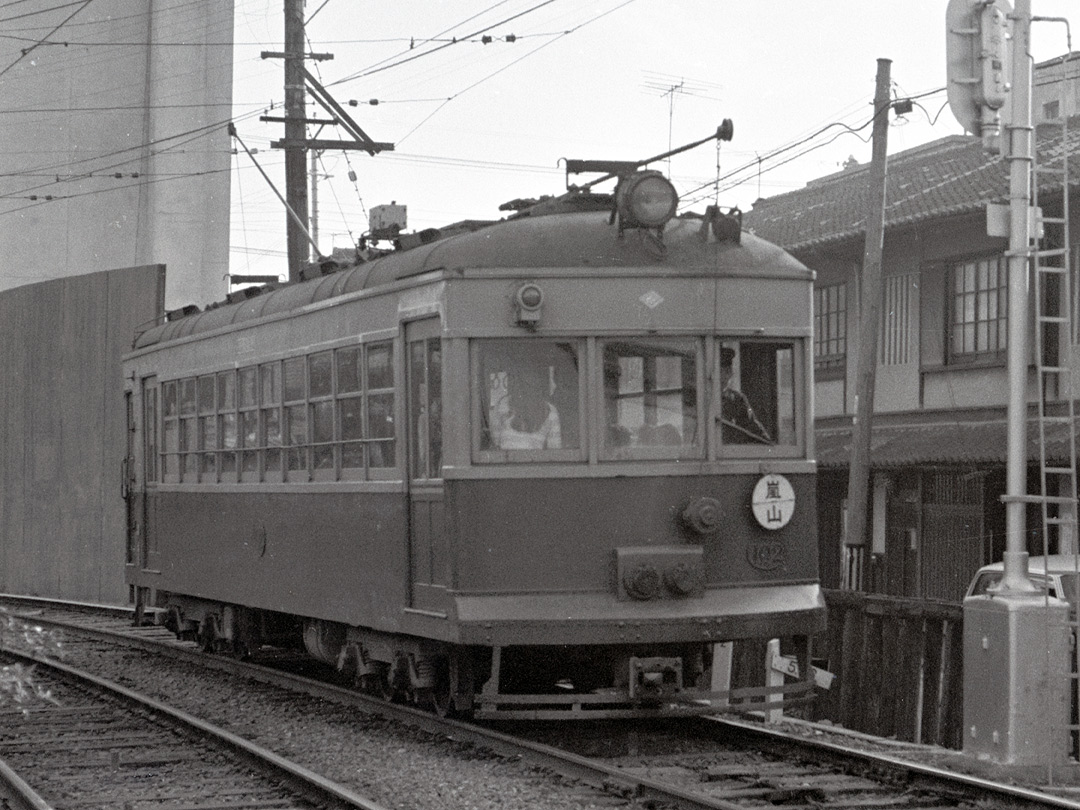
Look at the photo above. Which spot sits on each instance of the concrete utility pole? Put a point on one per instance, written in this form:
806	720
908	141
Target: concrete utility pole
1015	639
1020	155
296	195
869	315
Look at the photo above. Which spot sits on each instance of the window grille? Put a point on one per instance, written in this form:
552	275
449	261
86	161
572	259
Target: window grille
978	321
830	327
899	320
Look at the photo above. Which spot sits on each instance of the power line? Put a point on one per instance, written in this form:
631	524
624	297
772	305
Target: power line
26	52
780	151
444	31
59	198
41	11
511	64
373	70
192	134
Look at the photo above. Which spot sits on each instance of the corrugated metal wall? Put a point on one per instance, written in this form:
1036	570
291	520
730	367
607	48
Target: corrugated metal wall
62	423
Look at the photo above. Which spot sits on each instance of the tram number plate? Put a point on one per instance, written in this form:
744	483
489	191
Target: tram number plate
789	666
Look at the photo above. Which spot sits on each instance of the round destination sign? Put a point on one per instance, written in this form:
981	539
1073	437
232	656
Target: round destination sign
773	501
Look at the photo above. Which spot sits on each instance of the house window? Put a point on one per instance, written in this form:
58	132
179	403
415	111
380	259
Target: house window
1051	110
979	309
830	327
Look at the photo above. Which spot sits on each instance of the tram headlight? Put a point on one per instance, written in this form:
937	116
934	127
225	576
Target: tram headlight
646	200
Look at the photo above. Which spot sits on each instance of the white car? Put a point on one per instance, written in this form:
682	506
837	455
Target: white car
1060	570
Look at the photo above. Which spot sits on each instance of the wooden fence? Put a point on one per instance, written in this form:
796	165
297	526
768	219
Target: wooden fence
899	667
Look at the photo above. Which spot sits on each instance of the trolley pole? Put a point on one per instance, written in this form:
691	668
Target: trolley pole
869	316
295	138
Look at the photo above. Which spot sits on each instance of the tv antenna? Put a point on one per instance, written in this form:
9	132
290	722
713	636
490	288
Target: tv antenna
670	86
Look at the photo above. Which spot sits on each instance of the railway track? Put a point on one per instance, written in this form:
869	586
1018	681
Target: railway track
102	745
690	764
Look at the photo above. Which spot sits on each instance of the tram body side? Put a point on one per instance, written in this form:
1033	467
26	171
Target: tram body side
420	554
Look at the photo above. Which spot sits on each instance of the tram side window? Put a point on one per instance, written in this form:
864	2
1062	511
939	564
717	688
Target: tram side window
150	428
227	430
270	408
321	382
651	394
295	381
316	417
365	407
350	407
188	430
757	381
247	402
170	428
529	395
207	429
379	389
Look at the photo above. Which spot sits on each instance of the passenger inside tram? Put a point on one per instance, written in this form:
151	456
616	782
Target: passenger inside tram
531	395
531	420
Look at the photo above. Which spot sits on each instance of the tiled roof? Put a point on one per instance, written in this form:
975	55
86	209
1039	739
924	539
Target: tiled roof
950	176
937	442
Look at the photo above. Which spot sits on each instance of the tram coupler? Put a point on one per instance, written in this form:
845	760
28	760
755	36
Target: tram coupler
654	679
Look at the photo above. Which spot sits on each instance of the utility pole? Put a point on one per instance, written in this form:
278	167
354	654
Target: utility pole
295	135
1016	643
869	316
1020	154
298	83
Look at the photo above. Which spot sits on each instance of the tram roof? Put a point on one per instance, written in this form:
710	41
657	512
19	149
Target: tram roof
580	239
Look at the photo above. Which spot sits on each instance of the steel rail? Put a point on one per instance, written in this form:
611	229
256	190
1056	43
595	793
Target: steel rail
570	765
304	782
940	778
597	774
15	794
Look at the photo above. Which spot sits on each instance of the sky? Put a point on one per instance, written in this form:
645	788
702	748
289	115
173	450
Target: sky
475	125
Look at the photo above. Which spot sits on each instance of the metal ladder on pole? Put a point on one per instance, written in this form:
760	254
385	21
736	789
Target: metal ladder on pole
1055	309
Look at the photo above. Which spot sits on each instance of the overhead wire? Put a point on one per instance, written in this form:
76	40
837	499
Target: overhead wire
430	39
194	134
40	11
715	187
511	64
371	71
81	61
27	51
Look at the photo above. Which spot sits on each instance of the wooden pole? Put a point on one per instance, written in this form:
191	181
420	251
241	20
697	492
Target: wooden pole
296	194
869	317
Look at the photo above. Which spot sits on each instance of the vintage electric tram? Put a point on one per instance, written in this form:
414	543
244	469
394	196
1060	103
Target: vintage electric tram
538	468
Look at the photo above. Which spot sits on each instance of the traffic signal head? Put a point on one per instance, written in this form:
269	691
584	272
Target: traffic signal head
978	63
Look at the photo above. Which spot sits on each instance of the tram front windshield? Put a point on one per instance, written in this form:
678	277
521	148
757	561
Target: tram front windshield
652	394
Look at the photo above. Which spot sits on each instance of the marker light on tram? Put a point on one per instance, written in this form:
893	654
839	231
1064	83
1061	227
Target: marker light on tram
646	200
528	301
